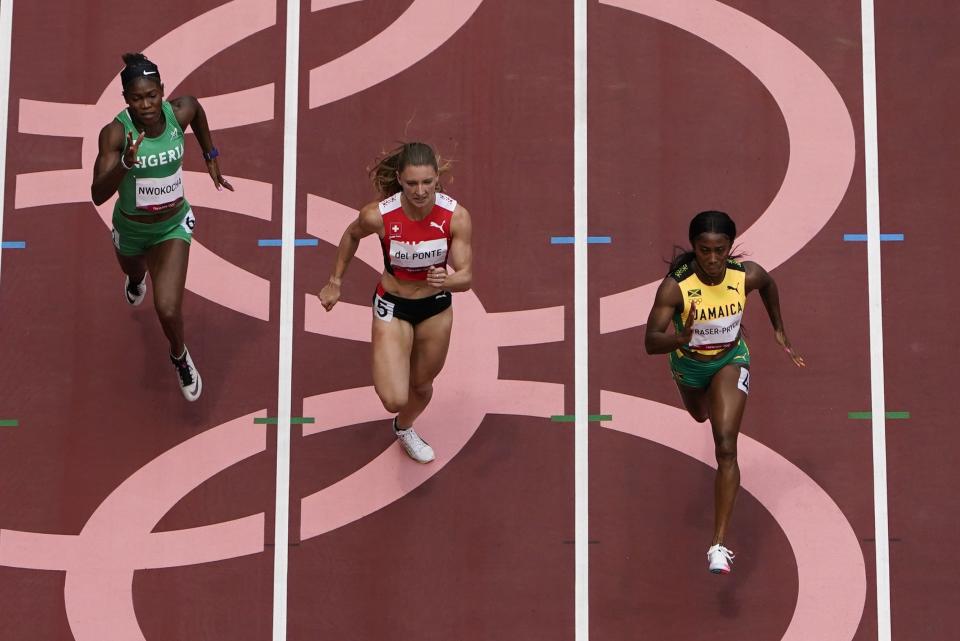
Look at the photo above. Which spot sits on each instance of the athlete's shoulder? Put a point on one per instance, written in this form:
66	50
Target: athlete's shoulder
681	273
736	265
123	119
446	202
390	204
369	218
111	135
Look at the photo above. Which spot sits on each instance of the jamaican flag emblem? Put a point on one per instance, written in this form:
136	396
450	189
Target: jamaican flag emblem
693	293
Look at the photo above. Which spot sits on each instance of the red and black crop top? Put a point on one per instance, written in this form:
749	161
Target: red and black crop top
411	247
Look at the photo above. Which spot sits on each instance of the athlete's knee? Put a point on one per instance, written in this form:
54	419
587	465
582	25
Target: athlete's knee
422	390
168	310
726	451
699	415
393	402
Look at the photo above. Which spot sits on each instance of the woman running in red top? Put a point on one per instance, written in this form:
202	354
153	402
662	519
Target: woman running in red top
421	230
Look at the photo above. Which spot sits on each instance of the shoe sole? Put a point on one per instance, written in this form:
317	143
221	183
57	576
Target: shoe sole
421	462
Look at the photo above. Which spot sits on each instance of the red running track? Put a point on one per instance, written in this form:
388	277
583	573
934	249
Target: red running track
761	118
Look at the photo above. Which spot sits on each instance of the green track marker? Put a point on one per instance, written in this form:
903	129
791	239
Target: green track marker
9	422
592	418
869	415
294	420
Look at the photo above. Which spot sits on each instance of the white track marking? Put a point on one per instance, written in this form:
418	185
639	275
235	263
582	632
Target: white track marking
878	405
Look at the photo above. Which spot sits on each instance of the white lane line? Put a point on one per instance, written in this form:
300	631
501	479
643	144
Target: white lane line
878	405
581	393
6	30
281	526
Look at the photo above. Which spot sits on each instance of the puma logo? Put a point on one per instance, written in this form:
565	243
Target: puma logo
736	289
440	226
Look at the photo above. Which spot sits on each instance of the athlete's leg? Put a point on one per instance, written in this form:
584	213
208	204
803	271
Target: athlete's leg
728	399
133	266
391	344
167	263
430	344
695	402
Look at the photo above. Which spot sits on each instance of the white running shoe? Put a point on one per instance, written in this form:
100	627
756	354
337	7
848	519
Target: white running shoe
141	289
720	559
189	377
415	447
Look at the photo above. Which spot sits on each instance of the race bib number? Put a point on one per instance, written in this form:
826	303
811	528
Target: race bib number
189	222
418	256
158	193
744	383
383	309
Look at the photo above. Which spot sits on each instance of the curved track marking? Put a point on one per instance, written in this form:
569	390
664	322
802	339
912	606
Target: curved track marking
822	142
421	29
319	5
830	565
60	186
117	539
70	120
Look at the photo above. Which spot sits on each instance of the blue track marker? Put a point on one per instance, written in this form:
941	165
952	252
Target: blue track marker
13	244
862	238
593	240
299	242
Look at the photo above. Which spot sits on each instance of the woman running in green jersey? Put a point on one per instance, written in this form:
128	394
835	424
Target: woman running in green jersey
703	296
141	158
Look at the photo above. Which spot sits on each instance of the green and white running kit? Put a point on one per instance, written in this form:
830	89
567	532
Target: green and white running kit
155	183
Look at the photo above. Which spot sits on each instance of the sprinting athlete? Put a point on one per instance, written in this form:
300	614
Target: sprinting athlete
421	231
704	295
141	158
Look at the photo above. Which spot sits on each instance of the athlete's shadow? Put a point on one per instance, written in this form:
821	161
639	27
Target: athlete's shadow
158	380
744	529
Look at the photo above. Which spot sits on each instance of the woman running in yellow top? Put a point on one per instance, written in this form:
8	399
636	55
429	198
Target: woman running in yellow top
704	295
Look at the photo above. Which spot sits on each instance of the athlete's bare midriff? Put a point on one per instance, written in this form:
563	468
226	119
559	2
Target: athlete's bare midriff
412	289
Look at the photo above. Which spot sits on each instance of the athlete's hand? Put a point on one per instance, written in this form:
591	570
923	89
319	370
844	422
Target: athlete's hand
687	334
329	295
436	276
130	153
213	168
781	337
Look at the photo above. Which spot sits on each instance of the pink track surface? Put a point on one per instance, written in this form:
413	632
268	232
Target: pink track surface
127	514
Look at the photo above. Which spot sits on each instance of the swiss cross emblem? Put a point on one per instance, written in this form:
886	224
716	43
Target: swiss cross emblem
395	230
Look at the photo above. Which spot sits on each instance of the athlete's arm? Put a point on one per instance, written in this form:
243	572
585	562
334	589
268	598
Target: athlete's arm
189	111
369	221
668	301
758	279
107	170
460	258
